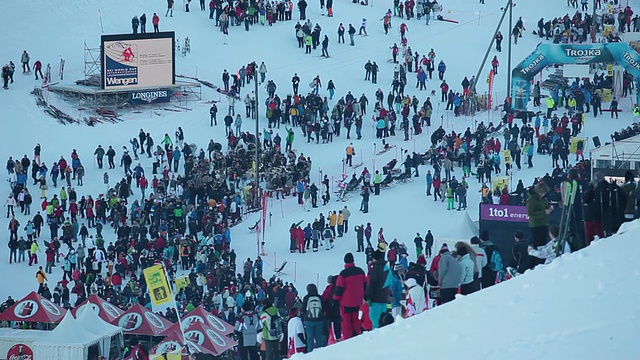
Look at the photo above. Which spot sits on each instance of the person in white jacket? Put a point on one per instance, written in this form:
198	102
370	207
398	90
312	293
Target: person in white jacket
548	251
466	270
416	300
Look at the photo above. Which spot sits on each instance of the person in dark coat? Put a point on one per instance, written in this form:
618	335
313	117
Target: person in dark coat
378	289
521	260
350	288
331	308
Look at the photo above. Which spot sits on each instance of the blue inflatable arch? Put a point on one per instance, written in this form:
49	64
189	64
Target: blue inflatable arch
548	54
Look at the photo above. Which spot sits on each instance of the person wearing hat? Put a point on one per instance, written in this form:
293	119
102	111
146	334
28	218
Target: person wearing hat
418	241
378	287
350	287
436	260
449	276
297	341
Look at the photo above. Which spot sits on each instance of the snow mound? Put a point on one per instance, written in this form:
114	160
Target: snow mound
583	305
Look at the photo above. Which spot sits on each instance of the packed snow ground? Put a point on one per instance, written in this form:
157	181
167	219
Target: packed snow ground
55	30
581	306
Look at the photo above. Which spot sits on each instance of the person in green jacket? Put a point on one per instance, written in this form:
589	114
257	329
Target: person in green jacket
538	210
272	343
450	204
289	138
308	41
377	180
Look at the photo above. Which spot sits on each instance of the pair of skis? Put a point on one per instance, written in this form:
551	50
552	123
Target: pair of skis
566	218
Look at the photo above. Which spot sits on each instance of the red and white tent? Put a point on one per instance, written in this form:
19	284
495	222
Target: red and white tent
142	321
174	343
202	336
105	310
201	315
34	308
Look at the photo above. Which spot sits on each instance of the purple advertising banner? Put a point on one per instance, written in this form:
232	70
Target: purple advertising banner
492	212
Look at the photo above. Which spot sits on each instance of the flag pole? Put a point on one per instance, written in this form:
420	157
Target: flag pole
175	306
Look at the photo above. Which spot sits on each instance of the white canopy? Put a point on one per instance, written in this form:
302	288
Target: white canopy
66	341
89	320
462	231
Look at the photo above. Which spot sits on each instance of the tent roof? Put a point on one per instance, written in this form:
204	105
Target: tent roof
34	308
141	321
199	314
622	150
174	342
202	335
68	333
104	309
462	231
89	320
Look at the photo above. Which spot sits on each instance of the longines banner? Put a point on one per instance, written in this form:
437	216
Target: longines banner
138	61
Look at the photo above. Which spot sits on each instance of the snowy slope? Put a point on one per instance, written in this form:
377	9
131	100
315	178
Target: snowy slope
55	30
581	306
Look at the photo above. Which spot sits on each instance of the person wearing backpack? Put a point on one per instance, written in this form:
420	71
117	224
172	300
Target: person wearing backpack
494	261
272	330
247	327
313	316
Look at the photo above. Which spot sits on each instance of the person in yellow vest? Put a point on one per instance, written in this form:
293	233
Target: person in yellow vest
572	105
333	220
636	113
33	253
507	161
41	276
340	223
550	105
350	152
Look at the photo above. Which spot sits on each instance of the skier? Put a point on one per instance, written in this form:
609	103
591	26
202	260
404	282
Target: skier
155	20
25	62
340	33
135	23
352	32
5	76
499	38
213	110
143	23
325	45
363	27
169	9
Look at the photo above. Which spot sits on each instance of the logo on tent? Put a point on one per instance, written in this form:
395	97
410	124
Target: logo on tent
26	309
130	322
154	320
216	338
110	309
190	320
216	323
20	352
167	347
195	336
50	307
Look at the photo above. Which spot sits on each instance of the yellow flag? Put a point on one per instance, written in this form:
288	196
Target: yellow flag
157	284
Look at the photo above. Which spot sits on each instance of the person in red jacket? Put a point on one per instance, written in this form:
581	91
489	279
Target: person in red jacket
300	239
37	69
143	183
350	288
155	20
